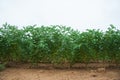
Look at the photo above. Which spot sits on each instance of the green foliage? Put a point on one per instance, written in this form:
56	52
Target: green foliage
2	67
58	44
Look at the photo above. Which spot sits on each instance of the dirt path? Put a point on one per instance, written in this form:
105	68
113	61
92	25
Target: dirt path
57	74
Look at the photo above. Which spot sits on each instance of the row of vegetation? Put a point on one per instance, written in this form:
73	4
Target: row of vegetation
58	44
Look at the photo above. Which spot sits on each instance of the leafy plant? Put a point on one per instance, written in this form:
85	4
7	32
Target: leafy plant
58	44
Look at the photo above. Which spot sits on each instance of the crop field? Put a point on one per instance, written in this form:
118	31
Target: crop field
58	45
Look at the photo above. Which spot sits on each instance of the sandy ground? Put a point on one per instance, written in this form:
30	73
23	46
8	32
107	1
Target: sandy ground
59	74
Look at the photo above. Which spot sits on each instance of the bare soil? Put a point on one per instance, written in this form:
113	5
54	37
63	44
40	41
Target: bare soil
59	74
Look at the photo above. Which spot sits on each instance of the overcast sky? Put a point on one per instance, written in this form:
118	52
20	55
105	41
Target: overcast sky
79	14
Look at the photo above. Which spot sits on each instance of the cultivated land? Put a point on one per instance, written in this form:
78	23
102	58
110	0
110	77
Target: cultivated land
47	72
58	52
59	74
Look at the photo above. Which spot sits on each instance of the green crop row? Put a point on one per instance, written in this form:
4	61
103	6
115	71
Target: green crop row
58	44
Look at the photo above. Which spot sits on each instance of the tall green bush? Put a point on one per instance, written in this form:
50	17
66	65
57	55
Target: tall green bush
58	44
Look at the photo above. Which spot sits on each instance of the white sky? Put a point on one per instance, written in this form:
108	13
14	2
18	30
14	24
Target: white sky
79	14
